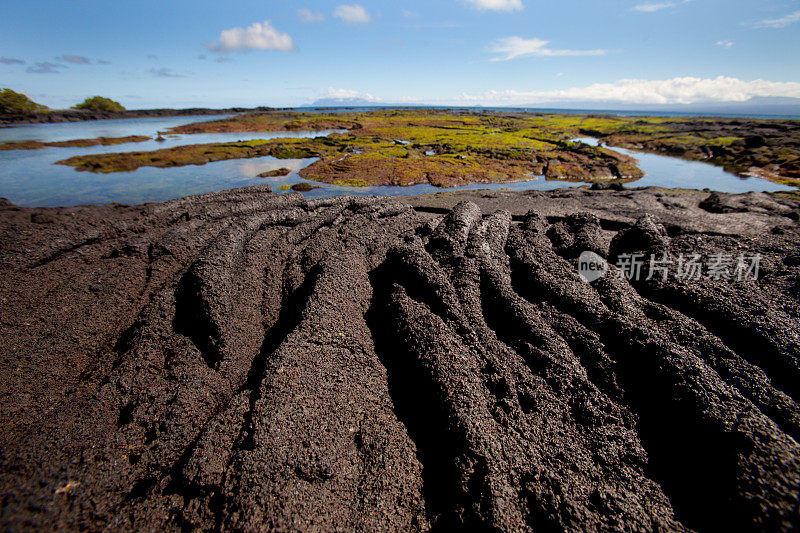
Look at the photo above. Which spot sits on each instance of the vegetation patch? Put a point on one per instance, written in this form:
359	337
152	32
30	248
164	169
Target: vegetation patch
80	143
12	102
193	154
100	104
351	183
253	122
447	148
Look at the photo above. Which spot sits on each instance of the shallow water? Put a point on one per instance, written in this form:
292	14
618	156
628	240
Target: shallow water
91	129
29	177
666	171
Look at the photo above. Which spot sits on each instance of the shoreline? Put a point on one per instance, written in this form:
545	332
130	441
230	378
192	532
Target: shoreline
446	148
73	115
80	115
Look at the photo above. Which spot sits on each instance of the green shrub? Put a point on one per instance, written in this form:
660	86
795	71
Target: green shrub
14	102
100	103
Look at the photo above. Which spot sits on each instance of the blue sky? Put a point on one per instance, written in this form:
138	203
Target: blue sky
492	52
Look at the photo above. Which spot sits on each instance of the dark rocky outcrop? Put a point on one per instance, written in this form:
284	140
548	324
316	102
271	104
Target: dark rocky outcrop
275	173
304	186
607	186
250	361
715	204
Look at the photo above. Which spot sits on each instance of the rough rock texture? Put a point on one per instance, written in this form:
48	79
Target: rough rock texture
245	360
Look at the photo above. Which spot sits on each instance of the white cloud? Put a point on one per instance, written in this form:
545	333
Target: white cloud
349	94
352	14
514	47
332	92
650	8
782	22
657	6
496	5
307	16
725	44
686	90
258	36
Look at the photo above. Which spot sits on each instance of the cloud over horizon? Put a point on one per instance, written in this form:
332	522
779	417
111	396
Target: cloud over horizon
779	23
496	5
657	6
345	94
516	47
350	95
258	36
11	61
686	90
352	14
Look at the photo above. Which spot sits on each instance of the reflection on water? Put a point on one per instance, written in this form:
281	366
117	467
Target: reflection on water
666	171
251	168
91	129
32	182
29	177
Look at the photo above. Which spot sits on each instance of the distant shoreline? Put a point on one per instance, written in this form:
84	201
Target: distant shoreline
79	115
76	115
711	113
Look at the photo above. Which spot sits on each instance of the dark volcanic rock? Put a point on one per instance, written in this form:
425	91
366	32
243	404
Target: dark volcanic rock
250	361
607	185
577	233
275	173
646	237
715	204
304	186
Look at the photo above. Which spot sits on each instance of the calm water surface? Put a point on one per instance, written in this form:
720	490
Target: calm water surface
666	171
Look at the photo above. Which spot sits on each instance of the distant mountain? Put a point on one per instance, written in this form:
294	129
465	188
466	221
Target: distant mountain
362	102
345	102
